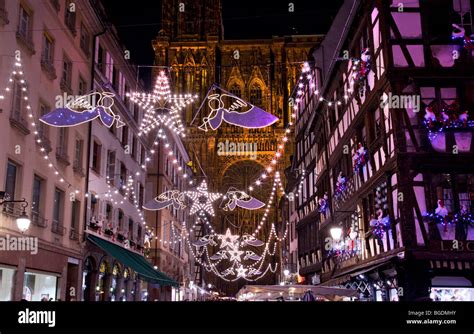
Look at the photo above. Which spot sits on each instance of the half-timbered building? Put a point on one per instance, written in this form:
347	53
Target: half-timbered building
384	134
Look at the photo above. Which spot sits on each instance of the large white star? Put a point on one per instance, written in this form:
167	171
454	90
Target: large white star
161	99
202	199
228	240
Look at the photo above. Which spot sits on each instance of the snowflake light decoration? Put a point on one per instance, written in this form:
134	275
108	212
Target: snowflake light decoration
161	106
202	200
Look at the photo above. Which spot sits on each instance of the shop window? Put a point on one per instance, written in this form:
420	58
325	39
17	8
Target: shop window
6	283
39	287
103	272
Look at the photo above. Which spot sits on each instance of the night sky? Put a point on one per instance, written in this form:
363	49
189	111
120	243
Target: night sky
137	25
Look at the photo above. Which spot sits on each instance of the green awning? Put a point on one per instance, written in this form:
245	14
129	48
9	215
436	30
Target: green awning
135	261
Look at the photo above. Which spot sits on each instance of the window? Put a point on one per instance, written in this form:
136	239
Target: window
125	135
10	183
142	155
38	287
17	103
43	130
140	195
96	156
100	58
121	217
130	229
61	149
78	154
134	147
24	25
108	212
67	74
235	90
75	217
70	16
256	95
36	203
136	113
82	89
123	177
85	39
7	276
58	206
111	167
115	78
47	54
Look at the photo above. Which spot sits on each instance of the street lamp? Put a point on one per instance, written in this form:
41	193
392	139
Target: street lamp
336	233
23	221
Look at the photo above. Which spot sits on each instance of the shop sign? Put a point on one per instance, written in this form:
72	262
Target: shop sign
457	246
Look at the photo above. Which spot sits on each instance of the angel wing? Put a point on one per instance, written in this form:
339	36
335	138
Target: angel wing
235	111
251	241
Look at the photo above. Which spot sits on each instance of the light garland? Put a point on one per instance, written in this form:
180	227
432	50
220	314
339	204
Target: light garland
18	74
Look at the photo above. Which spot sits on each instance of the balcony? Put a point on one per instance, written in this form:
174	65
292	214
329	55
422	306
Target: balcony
26	40
61	155
58	228
48	69
38	220
17	121
65	85
73	235
78	169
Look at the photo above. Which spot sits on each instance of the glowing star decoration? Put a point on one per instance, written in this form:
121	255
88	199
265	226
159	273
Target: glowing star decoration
172	197
202	200
161	106
228	239
234	198
85	109
233	110
241	272
235	254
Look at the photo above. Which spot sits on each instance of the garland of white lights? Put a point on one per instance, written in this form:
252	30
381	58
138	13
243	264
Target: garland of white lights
18	74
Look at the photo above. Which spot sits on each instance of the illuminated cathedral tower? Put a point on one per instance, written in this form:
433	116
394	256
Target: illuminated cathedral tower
261	71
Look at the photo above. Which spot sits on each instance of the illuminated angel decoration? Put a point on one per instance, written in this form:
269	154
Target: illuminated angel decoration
233	110
237	198
172	197
84	109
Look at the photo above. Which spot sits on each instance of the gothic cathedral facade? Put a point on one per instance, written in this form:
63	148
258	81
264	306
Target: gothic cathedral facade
262	71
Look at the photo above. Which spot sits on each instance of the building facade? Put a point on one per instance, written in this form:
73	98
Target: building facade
44	165
385	140
261	71
169	250
84	185
116	182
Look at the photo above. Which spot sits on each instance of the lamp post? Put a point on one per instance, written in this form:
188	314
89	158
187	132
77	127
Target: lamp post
23	220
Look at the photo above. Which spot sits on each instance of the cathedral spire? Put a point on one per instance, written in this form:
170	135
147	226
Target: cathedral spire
196	20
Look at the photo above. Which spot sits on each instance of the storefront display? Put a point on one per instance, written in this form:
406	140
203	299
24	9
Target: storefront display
39	287
6	283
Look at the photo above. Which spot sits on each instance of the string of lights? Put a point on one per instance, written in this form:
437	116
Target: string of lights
17	76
